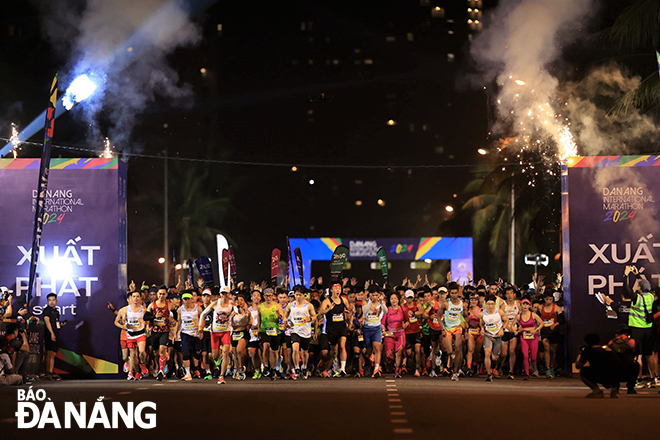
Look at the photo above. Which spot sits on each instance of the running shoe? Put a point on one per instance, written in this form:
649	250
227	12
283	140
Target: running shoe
242	375
495	373
639	384
159	376
510	376
438	360
397	375
165	369
489	378
293	375
256	375
376	374
428	364
550	374
337	374
404	370
125	367
305	374
130	376
535	373
433	373
325	374
424	372
273	377
198	375
208	377
278	367
526	378
138	376
481	372
266	372
357	373
372	358
454	377
416	373
221	380
655	382
461	374
470	373
143	369
187	377
56	376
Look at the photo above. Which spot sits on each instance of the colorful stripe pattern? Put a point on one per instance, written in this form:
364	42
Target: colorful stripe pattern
613	161
425	245
331	242
61	164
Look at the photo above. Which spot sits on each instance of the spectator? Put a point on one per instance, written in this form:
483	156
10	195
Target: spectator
7	376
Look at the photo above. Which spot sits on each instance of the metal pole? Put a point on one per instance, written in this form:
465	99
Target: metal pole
166	266
512	235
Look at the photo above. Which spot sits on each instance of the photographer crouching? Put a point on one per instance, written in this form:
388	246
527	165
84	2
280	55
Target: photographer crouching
608	365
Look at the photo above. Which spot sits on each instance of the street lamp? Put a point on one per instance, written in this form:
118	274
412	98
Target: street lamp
161	260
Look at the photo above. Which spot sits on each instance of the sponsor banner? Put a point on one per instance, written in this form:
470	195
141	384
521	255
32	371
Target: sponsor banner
275	266
610	220
339	258
82	256
382	259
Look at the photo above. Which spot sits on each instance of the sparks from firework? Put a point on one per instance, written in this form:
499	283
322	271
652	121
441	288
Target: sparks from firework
14	139
539	130
107	153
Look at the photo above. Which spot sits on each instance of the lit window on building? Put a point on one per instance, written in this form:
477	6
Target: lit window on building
390	38
219	29
450	20
410	36
475	4
474	14
450	32
450	57
368	61
438	12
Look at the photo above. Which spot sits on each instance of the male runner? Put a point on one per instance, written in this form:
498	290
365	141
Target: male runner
191	334
160	329
301	313
131	319
335	308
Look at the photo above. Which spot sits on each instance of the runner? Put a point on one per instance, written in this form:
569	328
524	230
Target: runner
530	326
206	336
453	322
474	336
372	313
240	336
492	321
301	313
433	317
270	314
335	308
131	319
191	334
220	331
284	359
413	331
253	343
160	329
511	307
394	324
550	313
174	345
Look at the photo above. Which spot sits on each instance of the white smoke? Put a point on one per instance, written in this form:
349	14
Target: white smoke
124	45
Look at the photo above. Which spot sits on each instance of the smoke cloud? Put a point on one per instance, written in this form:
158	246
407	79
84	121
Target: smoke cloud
123	46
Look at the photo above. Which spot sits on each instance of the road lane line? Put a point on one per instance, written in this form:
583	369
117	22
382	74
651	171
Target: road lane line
403	431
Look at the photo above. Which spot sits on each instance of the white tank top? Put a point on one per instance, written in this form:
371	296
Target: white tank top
511	312
254	331
452	316
189	321
134	320
297	316
493	323
221	318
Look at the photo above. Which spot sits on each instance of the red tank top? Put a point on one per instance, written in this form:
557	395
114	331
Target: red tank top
161	318
549	316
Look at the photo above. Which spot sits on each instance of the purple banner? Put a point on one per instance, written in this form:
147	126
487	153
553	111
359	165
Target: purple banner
610	221
82	255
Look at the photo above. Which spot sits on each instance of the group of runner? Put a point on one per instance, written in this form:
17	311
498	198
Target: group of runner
453	330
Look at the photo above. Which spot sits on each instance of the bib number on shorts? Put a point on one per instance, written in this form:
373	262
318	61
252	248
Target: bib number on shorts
474	331
360	338
528	334
271	332
236	336
548	322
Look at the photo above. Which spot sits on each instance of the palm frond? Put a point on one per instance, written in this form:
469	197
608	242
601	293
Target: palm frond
643	96
637	25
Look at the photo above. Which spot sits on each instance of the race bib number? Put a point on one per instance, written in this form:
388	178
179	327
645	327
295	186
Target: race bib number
491	327
435	320
548	322
188	325
474	331
528	334
254	335
236	336
360	338
271	331
298	322
413	318
338	317
388	334
452	317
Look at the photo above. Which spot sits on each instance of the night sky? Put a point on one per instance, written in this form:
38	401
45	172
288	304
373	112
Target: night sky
299	83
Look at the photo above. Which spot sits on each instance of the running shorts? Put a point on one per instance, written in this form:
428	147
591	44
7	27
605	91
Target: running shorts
304	342
494	343
273	341
371	335
220	339
413	339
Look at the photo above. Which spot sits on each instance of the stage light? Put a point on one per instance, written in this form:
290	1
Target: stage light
161	260
59	268
449	208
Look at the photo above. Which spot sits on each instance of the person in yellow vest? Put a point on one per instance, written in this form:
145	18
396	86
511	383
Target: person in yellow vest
641	327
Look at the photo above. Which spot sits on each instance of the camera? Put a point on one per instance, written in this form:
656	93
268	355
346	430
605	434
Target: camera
5	293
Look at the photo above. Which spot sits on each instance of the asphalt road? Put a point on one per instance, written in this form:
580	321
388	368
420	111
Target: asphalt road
408	408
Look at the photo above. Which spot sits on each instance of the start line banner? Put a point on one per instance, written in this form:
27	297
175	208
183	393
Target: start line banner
610	220
82	255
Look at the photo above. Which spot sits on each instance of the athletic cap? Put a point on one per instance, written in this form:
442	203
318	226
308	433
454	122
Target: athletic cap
206	292
186	296
225	289
409	294
526	301
442	289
